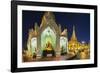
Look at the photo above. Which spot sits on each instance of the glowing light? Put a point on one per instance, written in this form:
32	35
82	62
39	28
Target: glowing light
33	44
83	42
48	35
63	43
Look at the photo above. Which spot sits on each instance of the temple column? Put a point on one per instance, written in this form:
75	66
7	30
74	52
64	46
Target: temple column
38	46
58	50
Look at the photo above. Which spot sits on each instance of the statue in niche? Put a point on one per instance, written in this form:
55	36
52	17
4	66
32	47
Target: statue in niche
49	50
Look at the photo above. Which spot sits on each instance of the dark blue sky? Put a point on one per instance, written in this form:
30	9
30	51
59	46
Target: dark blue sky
67	20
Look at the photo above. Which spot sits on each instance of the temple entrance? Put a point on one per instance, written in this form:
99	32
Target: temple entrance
48	42
63	45
34	47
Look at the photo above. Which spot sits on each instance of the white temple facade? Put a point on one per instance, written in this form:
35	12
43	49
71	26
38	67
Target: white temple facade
47	33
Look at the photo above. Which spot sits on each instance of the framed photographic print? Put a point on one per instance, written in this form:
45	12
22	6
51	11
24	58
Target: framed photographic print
51	36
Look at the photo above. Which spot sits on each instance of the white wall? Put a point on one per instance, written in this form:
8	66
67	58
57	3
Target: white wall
5	32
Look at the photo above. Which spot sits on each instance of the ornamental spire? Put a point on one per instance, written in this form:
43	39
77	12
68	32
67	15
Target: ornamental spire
47	18
74	38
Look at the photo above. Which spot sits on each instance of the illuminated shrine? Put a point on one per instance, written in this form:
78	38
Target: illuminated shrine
47	37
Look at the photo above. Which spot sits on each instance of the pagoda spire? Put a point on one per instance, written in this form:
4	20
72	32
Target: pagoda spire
47	17
74	38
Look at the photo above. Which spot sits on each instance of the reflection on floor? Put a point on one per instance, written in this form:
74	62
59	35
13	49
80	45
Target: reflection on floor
50	57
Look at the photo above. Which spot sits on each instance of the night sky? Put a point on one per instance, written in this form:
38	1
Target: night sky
81	21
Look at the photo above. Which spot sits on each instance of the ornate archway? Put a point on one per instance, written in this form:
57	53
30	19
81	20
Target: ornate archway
48	36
